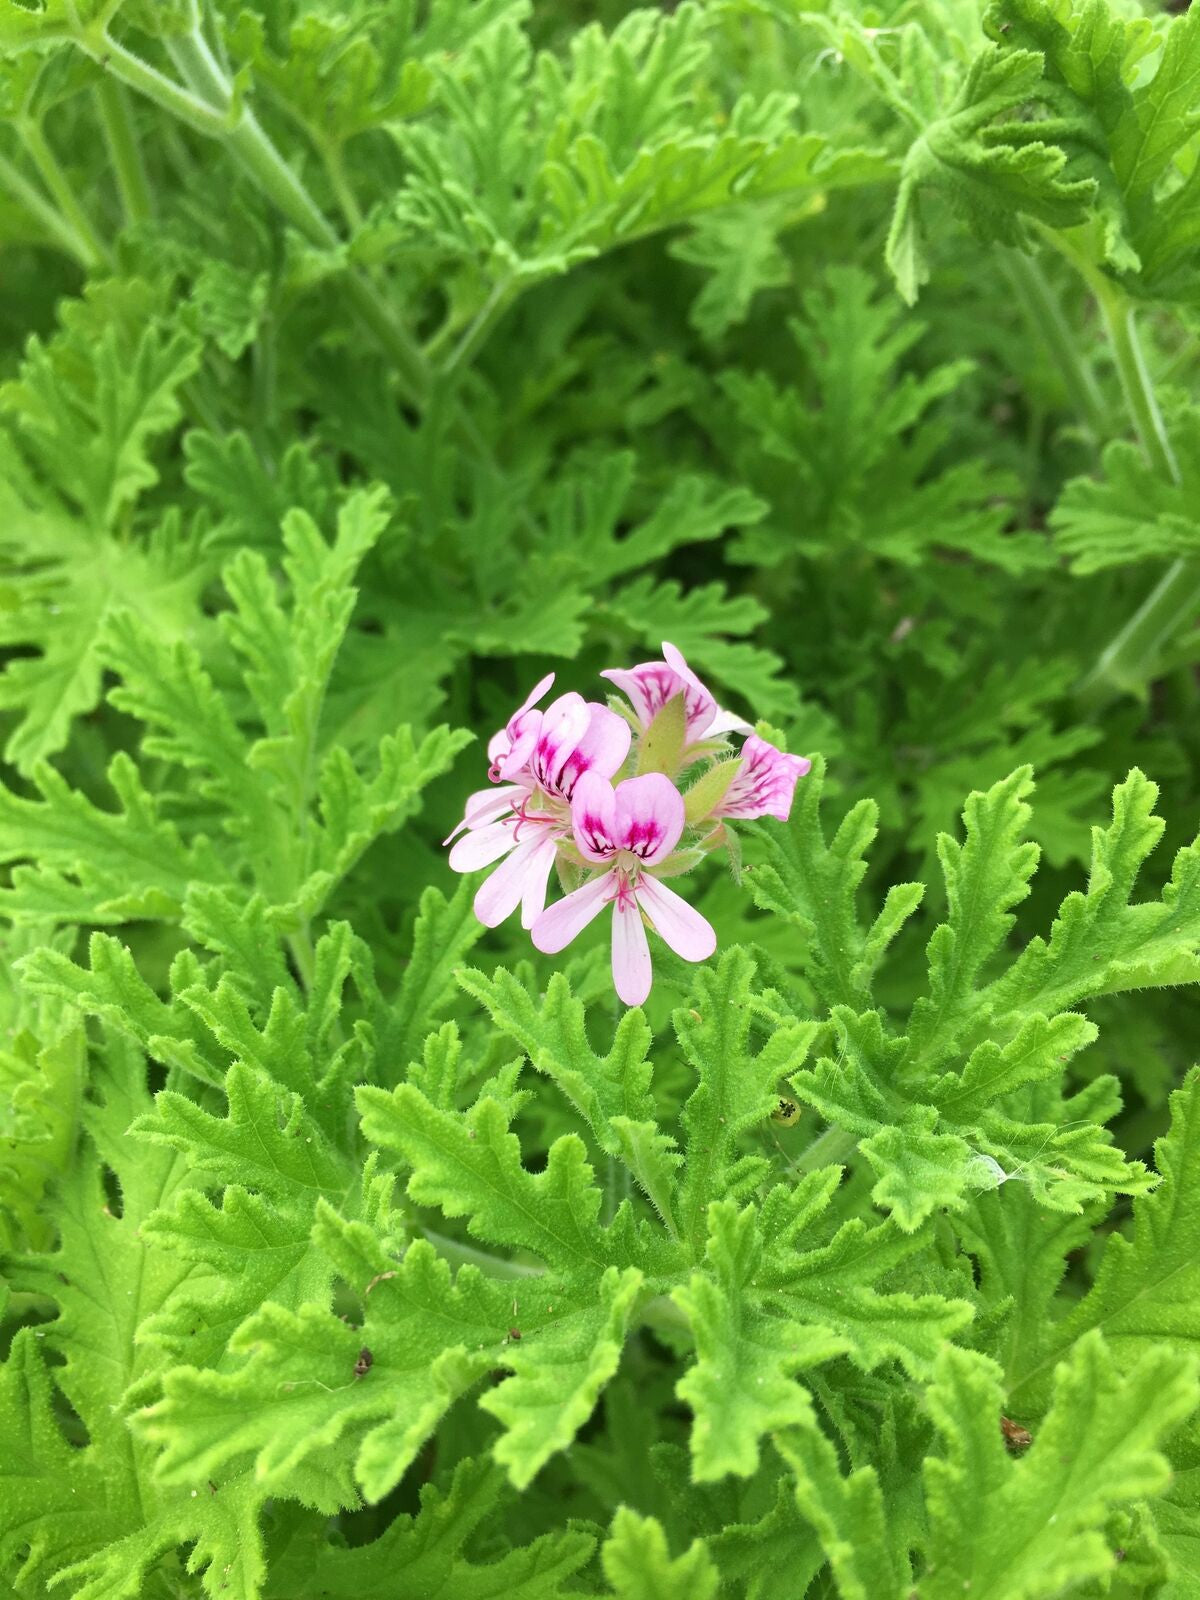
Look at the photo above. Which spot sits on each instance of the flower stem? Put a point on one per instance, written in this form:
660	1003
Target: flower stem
59	185
130	171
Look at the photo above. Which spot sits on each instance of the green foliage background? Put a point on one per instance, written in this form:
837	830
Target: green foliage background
363	361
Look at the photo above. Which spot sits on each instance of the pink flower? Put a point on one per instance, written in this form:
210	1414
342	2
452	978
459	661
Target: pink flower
650	685
629	830
510	748
546	752
764	783
529	838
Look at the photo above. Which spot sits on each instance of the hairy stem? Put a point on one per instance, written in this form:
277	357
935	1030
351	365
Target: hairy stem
491	1265
154	85
128	167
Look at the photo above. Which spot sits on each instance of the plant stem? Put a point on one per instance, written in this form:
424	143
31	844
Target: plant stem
260	159
1043	311
59	185
154	85
128	166
207	105
1135	380
1130	657
339	182
51	219
480	326
303	955
467	1255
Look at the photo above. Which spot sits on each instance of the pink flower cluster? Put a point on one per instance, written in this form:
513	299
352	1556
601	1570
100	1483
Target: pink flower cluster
559	800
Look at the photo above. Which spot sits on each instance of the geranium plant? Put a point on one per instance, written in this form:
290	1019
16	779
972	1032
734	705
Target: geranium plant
620	1146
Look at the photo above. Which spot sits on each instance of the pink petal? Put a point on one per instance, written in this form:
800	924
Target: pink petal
602	749
678	924
487	805
699	700
727	722
498	897
555	928
500	745
647	687
649	816
522	733
765	783
482	846
631	969
564	724
540	688
651	684
537	876
594	817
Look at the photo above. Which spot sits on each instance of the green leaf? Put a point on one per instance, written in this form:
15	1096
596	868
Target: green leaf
742	1383
95	865
1101	944
296	1395
267	1141
813	885
919	1173
986	877
1133	513
1147	1286
422	1557
847	1514
1029	1528
638	1564
1127	128
611	1092
559	1375
472	1167
87	405
830	1286
735	1091
93	1514
995	171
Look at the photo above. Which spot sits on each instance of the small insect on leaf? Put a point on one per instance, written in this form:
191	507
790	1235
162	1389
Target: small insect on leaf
364	1363
786	1112
1015	1436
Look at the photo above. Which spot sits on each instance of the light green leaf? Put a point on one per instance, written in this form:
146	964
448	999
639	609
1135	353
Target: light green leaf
638	1564
742	1384
1031	1528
